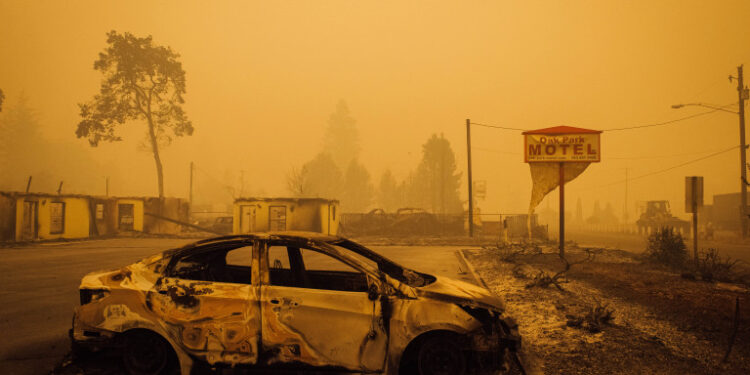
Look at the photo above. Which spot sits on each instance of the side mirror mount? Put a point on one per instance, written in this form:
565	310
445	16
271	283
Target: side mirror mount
373	293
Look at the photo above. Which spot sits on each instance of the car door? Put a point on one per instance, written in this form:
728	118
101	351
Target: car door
316	310
209	298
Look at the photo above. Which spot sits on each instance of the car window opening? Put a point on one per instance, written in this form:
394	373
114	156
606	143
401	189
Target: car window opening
296	267
223	265
385	265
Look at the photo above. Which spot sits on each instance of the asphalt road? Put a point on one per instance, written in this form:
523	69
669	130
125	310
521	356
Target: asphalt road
40	289
637	243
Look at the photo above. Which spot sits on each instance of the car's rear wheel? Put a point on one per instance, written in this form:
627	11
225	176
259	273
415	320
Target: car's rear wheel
147	353
438	355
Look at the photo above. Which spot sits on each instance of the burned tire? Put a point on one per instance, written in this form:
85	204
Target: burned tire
146	353
439	355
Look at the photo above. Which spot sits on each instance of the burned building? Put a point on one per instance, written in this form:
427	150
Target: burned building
39	216
46	216
286	214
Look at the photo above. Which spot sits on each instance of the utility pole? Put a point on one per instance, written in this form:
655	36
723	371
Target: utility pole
743	167
562	210
28	185
471	198
191	187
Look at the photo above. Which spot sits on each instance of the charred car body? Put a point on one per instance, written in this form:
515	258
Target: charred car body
293	301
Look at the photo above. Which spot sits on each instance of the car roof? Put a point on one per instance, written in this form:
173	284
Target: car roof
298	235
384	263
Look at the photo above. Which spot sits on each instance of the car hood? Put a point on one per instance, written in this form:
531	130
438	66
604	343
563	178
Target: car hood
142	273
456	291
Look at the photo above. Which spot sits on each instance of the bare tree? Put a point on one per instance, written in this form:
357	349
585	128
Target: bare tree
142	82
296	181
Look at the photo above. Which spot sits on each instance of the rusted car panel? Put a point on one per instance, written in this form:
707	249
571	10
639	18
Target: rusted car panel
292	313
350	336
215	321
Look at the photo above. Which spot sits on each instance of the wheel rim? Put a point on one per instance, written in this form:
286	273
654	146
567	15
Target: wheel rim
145	354
440	358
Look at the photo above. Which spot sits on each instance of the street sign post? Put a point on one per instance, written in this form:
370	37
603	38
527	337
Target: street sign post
693	202
562	145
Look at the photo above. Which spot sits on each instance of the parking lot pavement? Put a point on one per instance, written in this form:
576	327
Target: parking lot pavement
40	289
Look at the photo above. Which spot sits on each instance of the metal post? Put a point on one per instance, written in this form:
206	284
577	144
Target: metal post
562	210
743	165
694	203
468	157
28	185
695	238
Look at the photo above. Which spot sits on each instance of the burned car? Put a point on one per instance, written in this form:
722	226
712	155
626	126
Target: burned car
293	301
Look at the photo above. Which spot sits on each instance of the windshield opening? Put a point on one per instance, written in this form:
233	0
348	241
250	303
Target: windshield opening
385	265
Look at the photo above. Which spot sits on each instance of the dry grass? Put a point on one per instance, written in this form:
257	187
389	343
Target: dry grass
617	315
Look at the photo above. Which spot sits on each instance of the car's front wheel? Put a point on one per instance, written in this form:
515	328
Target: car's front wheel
147	353
438	355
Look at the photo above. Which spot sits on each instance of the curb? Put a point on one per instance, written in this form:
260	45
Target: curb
474	274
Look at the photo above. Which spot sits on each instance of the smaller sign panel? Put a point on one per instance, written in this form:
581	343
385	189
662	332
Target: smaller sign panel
480	189
693	194
99	211
571	147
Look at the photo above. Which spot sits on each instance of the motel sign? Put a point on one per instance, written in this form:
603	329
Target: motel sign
556	155
562	144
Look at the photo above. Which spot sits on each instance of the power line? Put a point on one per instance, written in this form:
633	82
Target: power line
663	123
685	163
666	169
628	127
498	151
661	156
497	127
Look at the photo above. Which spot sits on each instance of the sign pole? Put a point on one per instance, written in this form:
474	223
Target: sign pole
695	238
695	220
471	197
562	210
693	202
558	145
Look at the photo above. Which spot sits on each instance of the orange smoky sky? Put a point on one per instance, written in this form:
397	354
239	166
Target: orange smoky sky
263	77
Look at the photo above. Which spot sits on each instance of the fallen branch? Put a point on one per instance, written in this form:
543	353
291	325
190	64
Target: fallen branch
510	253
544	279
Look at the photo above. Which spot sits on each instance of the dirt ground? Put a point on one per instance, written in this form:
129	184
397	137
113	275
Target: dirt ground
662	323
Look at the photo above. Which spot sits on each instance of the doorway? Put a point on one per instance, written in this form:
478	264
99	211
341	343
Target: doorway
247	219
30	228
125	216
